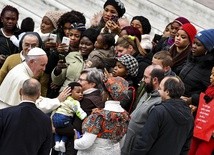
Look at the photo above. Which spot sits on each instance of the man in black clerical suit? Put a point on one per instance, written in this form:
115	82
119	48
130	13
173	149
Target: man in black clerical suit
24	129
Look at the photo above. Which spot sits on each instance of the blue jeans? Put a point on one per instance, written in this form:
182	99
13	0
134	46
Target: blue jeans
61	121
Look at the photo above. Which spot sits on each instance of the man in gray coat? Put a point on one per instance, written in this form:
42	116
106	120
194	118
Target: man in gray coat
169	127
153	74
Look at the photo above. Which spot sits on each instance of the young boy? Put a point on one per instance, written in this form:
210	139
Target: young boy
63	115
163	59
103	49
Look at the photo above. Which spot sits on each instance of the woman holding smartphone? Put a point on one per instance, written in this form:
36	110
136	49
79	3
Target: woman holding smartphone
70	61
69	67
113	10
69	21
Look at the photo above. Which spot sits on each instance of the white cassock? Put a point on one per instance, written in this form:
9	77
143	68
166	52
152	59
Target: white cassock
9	89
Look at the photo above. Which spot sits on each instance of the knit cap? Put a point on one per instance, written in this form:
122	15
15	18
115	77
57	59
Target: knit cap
144	22
117	88
91	34
190	30
181	20
132	31
206	37
54	16
78	26
118	5
130	63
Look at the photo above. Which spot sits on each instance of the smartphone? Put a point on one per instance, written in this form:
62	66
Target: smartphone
156	38
62	57
53	38
66	40
114	18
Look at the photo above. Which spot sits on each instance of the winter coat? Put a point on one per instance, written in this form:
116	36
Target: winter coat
71	73
168	130
97	58
138	118
7	47
196	75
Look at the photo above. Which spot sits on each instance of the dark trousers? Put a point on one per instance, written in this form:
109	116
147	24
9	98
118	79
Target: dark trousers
61	121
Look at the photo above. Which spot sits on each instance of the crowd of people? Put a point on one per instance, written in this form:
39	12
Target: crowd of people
110	88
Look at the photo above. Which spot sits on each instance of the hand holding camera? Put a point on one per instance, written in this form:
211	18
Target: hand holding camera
51	42
60	65
66	41
52	38
113	25
64	46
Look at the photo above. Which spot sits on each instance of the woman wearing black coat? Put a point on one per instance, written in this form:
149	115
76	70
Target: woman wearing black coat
196	72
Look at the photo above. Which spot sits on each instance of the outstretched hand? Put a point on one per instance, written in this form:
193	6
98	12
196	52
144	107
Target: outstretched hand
60	65
64	94
106	75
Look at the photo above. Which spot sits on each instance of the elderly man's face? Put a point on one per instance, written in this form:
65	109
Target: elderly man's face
29	42
38	65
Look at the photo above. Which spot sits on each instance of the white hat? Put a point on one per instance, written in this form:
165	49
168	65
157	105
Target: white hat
36	51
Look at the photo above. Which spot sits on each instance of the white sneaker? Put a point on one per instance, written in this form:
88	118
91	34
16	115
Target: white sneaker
56	147
62	146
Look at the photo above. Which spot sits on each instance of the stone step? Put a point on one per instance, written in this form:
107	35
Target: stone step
86	7
160	13
198	14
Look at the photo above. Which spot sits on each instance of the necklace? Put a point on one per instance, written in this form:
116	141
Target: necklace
5	34
181	50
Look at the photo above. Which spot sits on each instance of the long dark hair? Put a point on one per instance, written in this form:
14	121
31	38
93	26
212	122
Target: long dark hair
69	17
